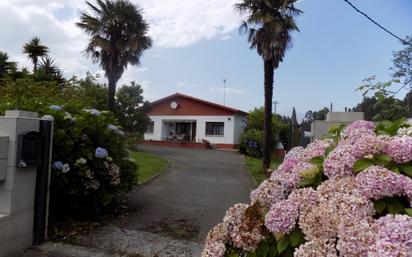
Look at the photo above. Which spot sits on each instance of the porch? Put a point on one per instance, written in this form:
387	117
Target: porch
179	130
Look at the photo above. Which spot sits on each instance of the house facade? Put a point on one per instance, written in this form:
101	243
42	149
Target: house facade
180	117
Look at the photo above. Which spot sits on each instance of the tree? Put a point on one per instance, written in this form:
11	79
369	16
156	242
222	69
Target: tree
34	49
269	24
49	71
118	37
6	66
367	106
311	116
386	107
130	108
402	63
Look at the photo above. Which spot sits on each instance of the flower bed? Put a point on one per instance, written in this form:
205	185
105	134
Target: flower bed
344	196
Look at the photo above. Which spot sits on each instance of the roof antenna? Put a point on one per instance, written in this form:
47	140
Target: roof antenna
224	91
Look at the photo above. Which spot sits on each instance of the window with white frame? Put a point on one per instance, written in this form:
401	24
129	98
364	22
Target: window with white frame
215	128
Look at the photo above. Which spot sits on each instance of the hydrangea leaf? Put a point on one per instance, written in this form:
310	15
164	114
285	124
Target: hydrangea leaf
317	160
232	254
273	252
394	206
406	169
362	164
408	211
379	206
383	159
262	249
296	237
283	244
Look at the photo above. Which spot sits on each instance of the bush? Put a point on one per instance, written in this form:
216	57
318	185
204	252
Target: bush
91	168
83	182
251	143
349	195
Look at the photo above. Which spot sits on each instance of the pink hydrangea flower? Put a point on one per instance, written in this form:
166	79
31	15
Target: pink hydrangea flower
358	129
214	249
394	237
315	149
340	161
282	216
245	232
377	182
400	149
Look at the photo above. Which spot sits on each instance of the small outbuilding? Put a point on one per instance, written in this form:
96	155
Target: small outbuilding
180	117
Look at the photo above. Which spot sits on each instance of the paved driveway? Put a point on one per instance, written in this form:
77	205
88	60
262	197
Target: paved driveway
193	195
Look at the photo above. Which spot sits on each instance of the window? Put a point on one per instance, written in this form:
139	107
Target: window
215	128
150	128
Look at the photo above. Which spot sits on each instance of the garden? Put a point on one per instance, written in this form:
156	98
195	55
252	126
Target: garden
346	195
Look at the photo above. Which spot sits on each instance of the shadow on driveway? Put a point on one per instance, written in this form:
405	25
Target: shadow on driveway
192	196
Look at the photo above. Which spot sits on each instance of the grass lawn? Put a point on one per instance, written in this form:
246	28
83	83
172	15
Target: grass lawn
149	165
255	168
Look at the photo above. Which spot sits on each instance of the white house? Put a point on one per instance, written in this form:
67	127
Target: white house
180	117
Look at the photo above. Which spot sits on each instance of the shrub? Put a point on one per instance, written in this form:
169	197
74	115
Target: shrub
91	168
251	143
83	181
345	196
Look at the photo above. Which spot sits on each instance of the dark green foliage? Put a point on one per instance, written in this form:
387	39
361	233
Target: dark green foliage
130	109
6	66
382	105
251	143
311	116
78	137
49	71
118	37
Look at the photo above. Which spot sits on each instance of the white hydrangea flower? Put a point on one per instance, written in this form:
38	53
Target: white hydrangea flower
406	131
81	161
66	168
48	117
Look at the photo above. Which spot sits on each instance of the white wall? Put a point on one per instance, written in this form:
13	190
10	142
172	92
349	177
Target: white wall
232	129
240	123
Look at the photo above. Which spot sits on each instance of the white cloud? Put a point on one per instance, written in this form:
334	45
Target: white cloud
180	23
174	23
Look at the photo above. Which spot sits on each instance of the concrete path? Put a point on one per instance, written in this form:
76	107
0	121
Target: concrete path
193	195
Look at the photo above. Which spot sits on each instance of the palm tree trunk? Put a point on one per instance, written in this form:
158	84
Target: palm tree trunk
111	94
267	126
34	64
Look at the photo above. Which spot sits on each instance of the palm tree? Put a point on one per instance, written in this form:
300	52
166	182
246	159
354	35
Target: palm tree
6	66
118	37
34	49
49	71
269	24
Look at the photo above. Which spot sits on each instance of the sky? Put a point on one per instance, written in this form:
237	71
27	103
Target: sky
197	44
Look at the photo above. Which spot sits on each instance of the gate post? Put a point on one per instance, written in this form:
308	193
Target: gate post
22	155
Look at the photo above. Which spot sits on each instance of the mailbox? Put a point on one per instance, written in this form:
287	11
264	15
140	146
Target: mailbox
28	149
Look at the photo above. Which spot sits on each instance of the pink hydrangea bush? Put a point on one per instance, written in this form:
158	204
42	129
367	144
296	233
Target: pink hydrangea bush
294	212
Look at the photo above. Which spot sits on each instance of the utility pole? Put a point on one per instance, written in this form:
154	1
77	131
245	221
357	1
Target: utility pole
224	91
275	103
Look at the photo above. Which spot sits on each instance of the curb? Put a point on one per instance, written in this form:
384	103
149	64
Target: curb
153	178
